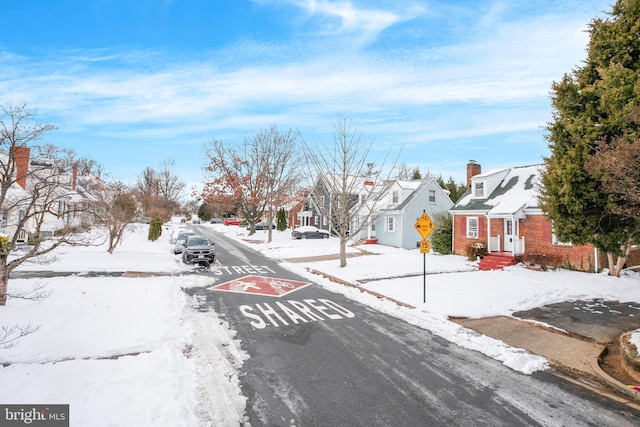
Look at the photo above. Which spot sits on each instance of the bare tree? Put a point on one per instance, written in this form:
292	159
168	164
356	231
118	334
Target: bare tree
281	171
33	194
9	335
170	186
340	169
115	210
147	188
160	190
617	165
254	176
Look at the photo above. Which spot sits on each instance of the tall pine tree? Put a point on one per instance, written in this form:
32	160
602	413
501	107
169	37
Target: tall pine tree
591	106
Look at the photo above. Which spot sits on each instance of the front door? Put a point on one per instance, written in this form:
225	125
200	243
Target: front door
510	234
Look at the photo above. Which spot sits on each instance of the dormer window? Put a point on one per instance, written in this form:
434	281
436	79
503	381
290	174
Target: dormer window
478	189
394	197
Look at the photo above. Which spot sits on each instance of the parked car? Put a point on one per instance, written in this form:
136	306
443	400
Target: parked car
215	221
180	239
309	232
174	234
198	250
195	221
232	221
263	226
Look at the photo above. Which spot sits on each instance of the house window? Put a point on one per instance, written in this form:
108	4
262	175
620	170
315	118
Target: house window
324	220
478	189
322	201
21	214
5	218
432	196
556	241
394	197
391	224
472	227
316	220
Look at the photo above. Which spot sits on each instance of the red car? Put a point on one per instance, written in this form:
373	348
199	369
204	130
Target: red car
232	221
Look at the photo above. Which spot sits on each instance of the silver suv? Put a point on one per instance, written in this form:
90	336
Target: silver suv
198	250
180	239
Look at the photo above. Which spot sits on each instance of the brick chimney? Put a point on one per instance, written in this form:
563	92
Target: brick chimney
21	158
473	169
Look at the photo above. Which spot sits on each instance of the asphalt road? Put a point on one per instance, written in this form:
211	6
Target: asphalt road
320	359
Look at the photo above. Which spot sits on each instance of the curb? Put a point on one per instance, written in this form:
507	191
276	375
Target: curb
612	382
597	372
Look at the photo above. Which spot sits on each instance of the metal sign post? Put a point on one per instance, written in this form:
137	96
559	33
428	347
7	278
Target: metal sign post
425	226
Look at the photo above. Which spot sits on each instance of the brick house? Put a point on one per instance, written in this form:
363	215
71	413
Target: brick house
500	211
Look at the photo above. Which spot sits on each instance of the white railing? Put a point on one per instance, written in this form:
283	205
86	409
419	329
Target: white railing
22	236
519	245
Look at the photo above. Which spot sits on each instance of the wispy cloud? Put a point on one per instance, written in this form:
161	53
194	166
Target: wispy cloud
491	80
345	18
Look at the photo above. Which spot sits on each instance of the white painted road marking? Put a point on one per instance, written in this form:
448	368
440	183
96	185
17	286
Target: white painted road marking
260	285
262	315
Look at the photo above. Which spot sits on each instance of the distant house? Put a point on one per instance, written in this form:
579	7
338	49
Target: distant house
12	212
500	211
383	211
320	207
52	191
400	206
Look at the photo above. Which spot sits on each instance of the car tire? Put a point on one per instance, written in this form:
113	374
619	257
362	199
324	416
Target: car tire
304	236
325	236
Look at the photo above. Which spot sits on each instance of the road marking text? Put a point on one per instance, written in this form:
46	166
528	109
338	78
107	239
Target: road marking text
283	313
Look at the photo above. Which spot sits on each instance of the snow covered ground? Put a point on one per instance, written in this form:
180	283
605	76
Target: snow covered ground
129	350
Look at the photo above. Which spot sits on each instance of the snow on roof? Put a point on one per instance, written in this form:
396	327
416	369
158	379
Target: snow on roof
489	172
518	190
410	185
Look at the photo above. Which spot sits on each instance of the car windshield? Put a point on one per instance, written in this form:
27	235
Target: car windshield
198	241
184	234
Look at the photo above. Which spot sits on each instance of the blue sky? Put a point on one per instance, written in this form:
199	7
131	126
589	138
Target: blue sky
131	83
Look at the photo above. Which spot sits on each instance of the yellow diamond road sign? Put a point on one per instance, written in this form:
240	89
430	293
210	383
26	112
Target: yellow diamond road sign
424	225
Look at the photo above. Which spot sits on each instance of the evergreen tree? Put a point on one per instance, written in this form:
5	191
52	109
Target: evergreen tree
456	190
204	213
416	173
281	225
442	235
593	106
155	228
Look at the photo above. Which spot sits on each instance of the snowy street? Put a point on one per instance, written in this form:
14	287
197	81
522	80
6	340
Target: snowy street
110	346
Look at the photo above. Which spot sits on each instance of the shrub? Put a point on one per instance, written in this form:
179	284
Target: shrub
281	224
441	238
543	261
155	228
475	250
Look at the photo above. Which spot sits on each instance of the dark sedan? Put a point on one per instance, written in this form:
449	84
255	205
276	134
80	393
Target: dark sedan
263	226
309	232
198	250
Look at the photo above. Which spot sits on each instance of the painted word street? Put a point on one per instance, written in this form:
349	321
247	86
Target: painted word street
220	270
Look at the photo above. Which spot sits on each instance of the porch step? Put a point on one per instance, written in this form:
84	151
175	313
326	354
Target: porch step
496	261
